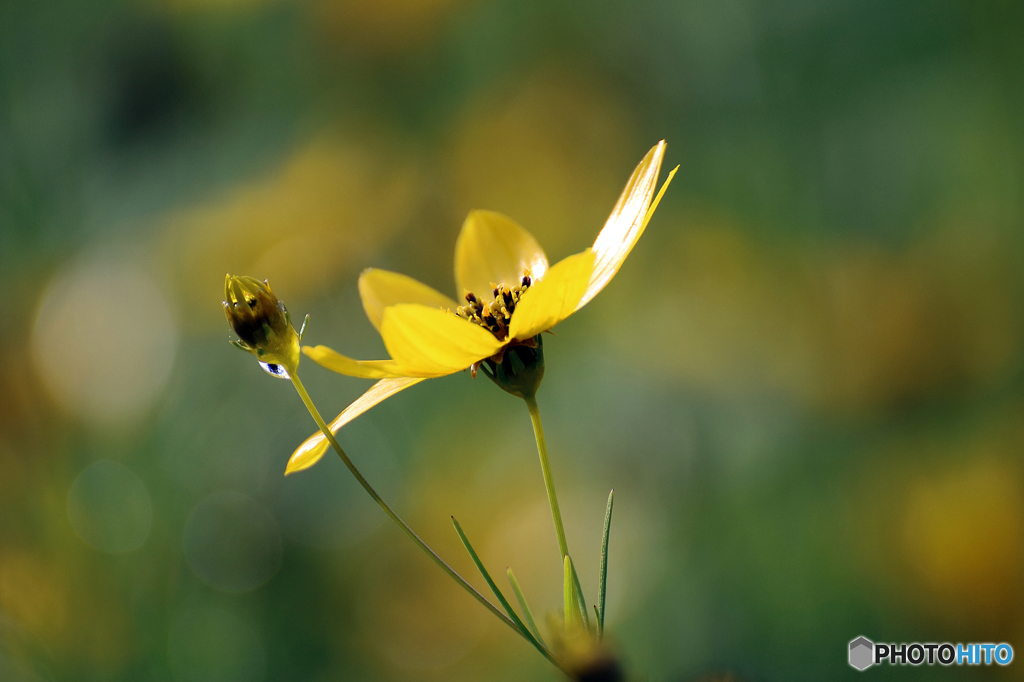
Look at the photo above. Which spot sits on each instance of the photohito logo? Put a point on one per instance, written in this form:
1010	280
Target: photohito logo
864	653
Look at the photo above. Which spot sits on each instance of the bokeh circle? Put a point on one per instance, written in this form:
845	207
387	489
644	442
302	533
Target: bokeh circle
110	507
105	338
232	542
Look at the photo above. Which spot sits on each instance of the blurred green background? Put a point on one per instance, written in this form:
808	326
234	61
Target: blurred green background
805	384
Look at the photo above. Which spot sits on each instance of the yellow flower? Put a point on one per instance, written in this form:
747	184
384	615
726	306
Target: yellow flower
511	296
263	325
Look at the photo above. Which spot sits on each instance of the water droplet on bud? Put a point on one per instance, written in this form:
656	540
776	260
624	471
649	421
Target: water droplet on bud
275	370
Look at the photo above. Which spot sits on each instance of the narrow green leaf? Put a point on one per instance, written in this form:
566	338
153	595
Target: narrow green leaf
524	606
580	601
497	593
597	619
569	606
601	590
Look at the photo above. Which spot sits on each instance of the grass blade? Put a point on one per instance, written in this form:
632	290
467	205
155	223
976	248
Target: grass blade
524	606
501	598
601	590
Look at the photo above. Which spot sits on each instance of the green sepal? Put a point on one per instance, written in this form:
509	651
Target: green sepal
520	371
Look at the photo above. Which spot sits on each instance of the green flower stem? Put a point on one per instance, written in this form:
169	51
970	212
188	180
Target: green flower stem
549	482
373	493
556	514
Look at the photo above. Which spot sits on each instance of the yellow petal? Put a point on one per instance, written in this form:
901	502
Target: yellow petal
429	342
627	221
364	369
314	447
494	248
554	298
382	288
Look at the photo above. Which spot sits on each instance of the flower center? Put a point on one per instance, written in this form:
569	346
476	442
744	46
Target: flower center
495	315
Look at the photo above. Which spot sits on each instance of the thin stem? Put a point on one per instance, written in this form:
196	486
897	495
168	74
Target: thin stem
549	483
397	519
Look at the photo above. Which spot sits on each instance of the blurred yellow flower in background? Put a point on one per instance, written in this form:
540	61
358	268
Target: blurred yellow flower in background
954	534
338	199
540	146
493	253
33	593
850	327
386	26
935	536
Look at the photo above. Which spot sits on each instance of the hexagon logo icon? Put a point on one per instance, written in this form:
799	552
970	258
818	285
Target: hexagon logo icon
862	652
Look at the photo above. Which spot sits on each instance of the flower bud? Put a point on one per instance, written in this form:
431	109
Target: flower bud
262	323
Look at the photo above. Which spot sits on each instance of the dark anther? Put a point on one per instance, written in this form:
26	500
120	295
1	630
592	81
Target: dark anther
470	297
506	296
526	280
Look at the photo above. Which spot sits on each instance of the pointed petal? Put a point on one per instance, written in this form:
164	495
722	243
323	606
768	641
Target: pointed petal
627	221
554	298
382	288
494	248
430	342
364	369
314	447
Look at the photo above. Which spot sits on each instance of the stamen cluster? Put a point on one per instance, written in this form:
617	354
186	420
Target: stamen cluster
496	315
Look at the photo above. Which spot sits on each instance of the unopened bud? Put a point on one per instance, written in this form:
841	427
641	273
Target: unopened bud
262	323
